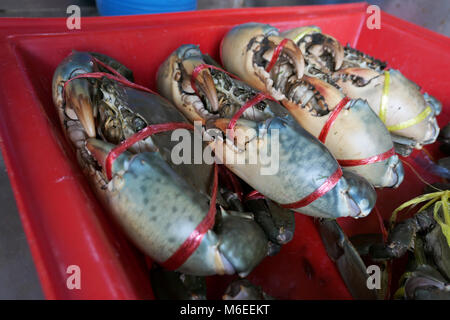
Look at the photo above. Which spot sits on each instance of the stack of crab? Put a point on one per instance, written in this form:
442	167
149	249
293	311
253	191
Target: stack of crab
309	103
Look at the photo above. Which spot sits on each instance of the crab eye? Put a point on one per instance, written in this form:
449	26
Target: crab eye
138	124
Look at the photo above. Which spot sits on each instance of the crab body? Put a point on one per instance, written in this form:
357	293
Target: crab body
427	274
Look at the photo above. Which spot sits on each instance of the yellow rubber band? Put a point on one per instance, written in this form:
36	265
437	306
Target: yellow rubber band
305	32
445	225
384	104
442	196
384	97
411	122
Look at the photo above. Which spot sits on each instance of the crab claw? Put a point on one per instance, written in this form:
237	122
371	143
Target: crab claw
246	50
404	102
292	51
363	195
174	83
79	99
203	81
315	44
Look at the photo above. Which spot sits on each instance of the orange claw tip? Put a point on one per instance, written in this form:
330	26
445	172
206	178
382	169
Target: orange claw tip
78	98
292	51
330	93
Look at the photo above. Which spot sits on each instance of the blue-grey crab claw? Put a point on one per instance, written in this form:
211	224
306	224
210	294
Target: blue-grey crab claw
353	197
159	210
362	193
73	65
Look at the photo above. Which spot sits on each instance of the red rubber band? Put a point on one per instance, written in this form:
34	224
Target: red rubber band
259	97
326	128
195	238
112	70
350	163
99	75
202	66
250	103
276	54
253	195
141	135
369	160
381	225
316	194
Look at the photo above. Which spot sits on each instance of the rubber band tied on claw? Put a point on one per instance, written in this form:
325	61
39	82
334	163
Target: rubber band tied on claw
384	103
350	162
306	32
440	200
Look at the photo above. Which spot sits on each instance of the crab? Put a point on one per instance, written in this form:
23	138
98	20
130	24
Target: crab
356	133
167	210
422	238
409	115
305	166
172	285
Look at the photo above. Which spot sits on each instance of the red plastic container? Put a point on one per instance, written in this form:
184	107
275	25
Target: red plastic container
63	221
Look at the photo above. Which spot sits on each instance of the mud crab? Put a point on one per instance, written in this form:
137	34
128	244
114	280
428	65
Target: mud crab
260	56
409	115
425	237
208	94
162	207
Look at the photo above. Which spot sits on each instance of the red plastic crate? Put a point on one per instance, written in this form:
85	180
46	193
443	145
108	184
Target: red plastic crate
63	221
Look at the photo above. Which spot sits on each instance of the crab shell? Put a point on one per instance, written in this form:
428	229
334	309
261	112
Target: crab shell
405	102
302	158
148	195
